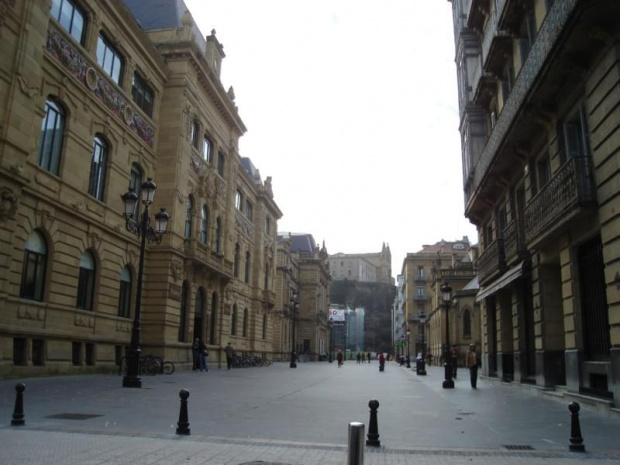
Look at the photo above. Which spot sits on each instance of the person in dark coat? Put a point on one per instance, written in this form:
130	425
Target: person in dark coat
230	352
339	357
471	360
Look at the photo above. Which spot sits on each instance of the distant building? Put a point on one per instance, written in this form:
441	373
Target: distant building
363	267
355	329
302	268
443	261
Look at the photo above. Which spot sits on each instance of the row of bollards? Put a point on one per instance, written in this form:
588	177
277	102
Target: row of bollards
356	430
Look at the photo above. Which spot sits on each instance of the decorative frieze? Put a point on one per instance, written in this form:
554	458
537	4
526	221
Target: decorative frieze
75	64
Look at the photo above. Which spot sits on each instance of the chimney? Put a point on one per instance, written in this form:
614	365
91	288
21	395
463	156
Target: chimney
214	53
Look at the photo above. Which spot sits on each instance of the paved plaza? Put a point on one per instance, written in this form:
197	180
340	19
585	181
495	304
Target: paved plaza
294	416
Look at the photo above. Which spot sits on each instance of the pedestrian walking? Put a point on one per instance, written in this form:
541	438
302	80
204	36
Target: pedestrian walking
381	362
454	360
363	357
339	357
368	357
359	358
203	353
471	360
196	354
230	352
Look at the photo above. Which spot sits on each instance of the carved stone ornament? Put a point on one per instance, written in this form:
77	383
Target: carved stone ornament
177	270
9	203
91	78
26	87
128	114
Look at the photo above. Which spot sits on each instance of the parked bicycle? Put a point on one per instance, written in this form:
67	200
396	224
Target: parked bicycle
148	365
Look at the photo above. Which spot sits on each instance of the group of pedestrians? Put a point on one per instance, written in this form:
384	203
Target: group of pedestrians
361	357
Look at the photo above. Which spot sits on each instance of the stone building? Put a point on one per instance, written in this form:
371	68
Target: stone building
363	267
444	261
302	269
98	98
539	88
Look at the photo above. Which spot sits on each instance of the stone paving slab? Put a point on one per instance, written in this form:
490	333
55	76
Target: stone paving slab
23	445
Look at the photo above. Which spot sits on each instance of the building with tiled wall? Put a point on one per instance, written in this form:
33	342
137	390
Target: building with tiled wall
539	91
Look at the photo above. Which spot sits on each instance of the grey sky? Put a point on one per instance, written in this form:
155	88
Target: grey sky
351	106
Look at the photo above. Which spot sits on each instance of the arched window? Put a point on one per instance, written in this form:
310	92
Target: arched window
34	267
206	149
52	133
213	318
264	326
233	321
136	178
199	312
189	211
204	224
183	315
86	281
467	323
236	261
98	164
245	323
124	297
247	267
218	235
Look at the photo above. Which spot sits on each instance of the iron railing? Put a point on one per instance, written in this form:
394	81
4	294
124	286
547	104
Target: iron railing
491	262
571	187
514	240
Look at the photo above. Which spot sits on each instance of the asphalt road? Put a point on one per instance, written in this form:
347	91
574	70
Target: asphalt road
312	403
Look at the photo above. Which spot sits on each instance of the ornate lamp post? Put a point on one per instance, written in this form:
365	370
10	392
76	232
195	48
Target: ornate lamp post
422	369
407	342
145	231
294	308
446	297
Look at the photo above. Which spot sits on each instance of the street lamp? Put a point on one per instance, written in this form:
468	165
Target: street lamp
446	297
422	366
145	231
331	325
408	357
294	308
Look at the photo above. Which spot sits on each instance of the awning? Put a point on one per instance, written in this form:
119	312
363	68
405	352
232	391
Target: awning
505	279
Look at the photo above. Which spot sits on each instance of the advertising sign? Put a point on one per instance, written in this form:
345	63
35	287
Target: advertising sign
336	314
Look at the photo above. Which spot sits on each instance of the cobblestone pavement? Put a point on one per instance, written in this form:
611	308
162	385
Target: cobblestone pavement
277	415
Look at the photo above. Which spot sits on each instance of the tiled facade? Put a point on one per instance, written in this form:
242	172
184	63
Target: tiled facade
95	103
538	91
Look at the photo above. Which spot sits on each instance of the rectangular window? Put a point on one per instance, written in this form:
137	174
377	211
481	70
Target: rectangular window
52	129
76	353
38	354
110	59
239	200
248	210
420	291
142	94
90	354
576	140
267	225
19	351
124	299
70	17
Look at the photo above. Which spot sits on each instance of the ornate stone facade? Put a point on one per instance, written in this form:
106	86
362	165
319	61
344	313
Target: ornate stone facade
75	135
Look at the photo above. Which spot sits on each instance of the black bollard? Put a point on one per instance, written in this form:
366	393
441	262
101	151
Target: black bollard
18	413
373	425
183	424
576	440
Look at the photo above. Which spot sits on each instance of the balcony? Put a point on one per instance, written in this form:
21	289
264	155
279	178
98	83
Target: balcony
420	298
563	197
496	43
545	41
491	262
514	240
419	279
269	299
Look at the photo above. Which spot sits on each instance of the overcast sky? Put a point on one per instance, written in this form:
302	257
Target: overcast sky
351	106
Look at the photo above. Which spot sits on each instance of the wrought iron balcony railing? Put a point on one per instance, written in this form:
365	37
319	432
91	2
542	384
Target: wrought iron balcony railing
491	262
514	240
570	188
